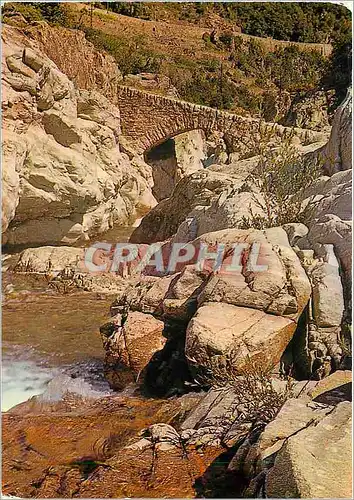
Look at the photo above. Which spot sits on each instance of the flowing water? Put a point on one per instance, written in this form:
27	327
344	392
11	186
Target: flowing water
51	342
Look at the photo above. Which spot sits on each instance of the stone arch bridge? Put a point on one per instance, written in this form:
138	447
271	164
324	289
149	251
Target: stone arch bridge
150	119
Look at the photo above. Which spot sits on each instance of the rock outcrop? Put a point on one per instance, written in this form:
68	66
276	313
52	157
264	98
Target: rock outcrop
98	433
248	317
289	457
315	453
233	318
206	194
51	260
309	111
77	58
337	154
331	217
65	178
130	343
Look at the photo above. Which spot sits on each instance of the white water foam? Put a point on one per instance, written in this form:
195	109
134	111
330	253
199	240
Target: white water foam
22	379
25	378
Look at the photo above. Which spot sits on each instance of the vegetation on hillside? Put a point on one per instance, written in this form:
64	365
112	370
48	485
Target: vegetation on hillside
242	70
339	73
288	67
296	21
131	55
52	12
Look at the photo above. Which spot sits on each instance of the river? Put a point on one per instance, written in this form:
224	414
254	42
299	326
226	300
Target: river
51	341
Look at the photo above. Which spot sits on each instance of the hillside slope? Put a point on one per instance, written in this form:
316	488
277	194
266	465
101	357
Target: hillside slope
202	56
219	68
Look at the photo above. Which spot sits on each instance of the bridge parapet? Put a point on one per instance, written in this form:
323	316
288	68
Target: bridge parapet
149	119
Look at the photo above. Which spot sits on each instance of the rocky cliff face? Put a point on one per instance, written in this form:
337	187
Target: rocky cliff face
77	59
309	111
65	178
338	152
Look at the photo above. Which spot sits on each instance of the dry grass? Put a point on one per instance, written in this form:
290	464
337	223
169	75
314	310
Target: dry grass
259	400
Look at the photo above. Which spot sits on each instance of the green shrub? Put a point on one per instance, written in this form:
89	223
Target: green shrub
289	68
210	65
209	90
132	9
293	69
339	74
131	56
29	11
52	12
226	39
281	175
247	100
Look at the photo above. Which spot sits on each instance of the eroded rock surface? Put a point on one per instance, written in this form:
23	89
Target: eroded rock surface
337	153
65	178
316	461
49	454
196	193
309	111
331	217
130	343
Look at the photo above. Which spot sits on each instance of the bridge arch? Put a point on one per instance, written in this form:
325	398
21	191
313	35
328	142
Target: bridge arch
148	120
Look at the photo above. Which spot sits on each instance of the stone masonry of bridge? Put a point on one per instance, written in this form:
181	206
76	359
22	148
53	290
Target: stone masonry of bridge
149	119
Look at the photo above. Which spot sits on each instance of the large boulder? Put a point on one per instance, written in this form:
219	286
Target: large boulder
317	461
279	462
248	317
295	415
190	153
196	189
337	154
219	332
51	260
327	291
129	346
226	209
